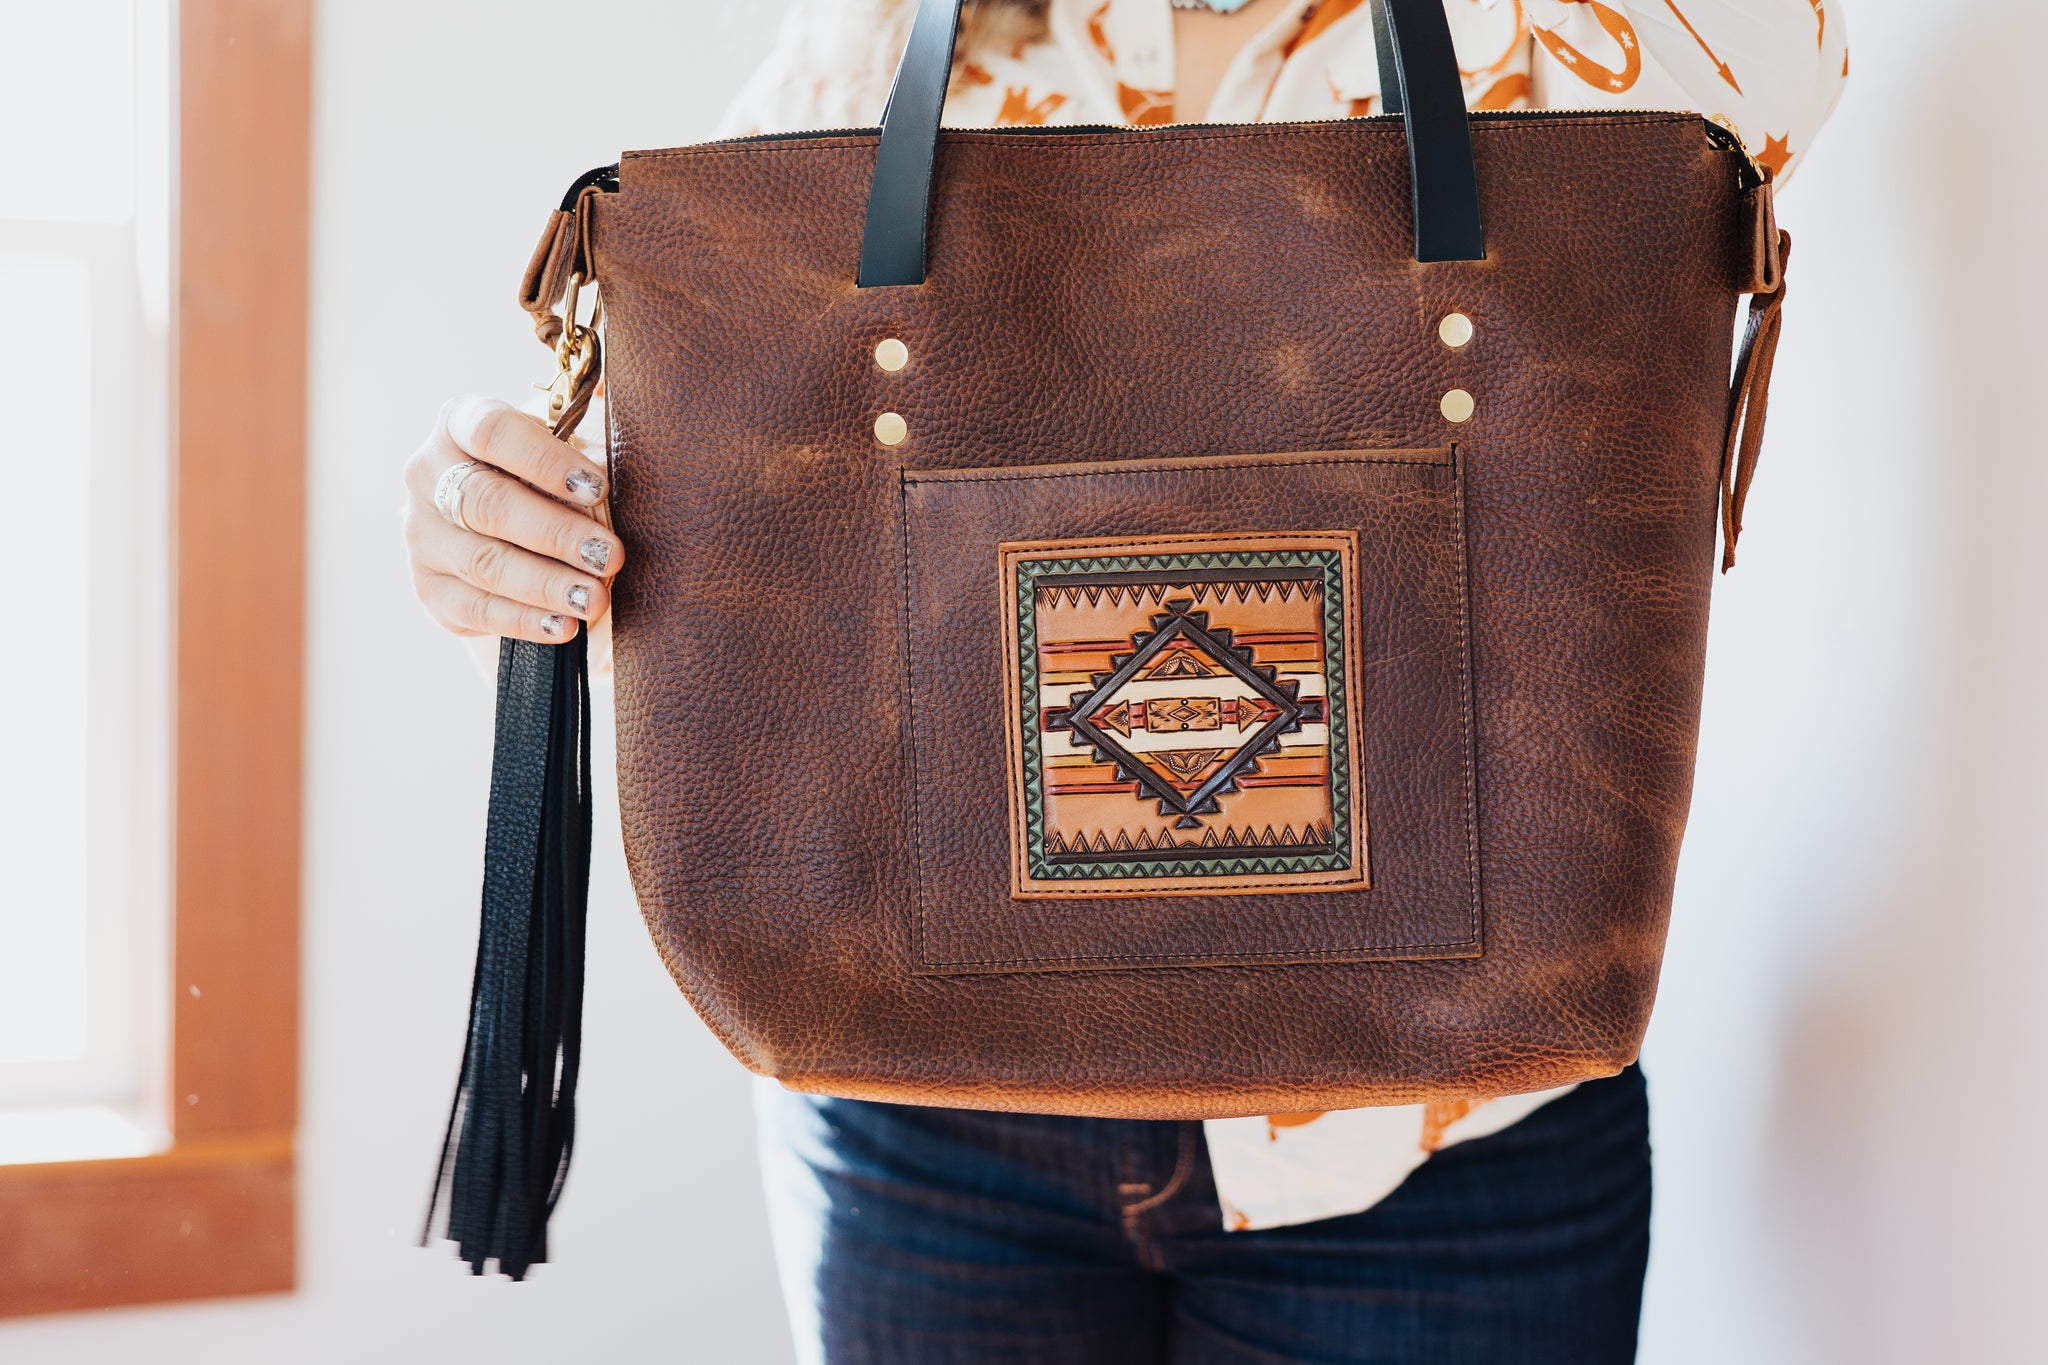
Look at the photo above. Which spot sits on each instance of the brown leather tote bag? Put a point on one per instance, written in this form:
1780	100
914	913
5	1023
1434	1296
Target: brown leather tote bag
1176	623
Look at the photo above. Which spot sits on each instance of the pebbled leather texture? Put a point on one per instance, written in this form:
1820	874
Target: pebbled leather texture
1168	296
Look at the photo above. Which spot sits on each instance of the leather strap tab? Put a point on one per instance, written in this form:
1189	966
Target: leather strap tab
1762	267
560	258
1749	400
554	258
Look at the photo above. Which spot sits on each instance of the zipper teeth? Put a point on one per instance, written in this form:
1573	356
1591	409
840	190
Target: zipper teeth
1053	130
1749	173
1724	134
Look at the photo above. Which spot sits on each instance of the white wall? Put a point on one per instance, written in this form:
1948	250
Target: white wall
1848	1054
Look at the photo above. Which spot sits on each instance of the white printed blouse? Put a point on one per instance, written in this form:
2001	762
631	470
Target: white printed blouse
1771	69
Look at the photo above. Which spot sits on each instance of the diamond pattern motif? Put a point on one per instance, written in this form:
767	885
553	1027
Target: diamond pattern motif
1186	790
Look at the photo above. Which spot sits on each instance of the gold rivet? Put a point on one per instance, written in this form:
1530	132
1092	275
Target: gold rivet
891	429
1458	405
1455	330
892	355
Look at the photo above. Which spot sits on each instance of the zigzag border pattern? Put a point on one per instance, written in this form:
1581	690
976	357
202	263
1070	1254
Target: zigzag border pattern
1116	594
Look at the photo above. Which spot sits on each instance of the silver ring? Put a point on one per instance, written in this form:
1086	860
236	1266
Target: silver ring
448	491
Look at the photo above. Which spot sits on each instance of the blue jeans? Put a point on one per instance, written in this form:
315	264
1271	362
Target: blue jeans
943	1237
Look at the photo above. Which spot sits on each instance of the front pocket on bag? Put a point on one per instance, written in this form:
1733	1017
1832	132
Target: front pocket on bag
1189	712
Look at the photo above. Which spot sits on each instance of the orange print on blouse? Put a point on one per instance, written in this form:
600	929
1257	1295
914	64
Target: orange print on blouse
1141	108
1437	1118
1019	112
1145	108
1712	56
1099	35
1275	1122
1503	93
1590	71
1777	154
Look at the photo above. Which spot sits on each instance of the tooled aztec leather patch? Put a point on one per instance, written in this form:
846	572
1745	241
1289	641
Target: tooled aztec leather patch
1182	715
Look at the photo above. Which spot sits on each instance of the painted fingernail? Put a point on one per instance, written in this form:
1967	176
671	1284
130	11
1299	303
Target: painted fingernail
596	552
579	599
583	486
551	624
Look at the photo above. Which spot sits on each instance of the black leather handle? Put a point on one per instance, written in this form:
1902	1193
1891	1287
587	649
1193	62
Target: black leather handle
900	199
1418	80
1444	182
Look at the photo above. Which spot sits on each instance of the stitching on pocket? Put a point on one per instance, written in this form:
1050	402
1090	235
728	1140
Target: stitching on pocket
910	721
1197	463
1476	933
1394	951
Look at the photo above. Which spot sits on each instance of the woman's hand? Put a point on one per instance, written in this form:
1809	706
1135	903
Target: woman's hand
533	563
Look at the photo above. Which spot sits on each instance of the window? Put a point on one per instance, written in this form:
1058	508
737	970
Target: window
149	897
84	266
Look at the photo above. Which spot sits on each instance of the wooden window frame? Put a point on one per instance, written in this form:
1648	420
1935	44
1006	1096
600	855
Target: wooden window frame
214	1215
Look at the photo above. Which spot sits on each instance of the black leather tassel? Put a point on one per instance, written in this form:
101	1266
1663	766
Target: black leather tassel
513	1124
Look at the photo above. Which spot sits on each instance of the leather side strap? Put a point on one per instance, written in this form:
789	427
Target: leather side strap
549	291
547	275
1749	400
1762	267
